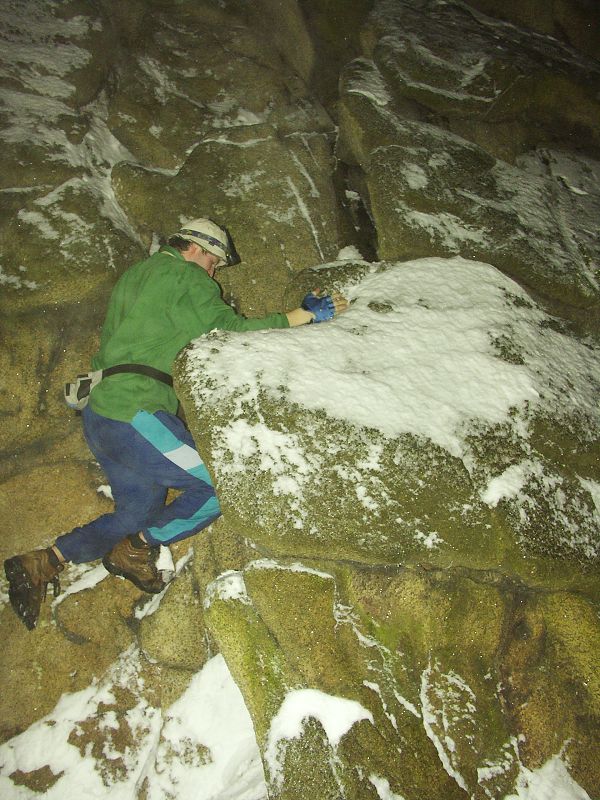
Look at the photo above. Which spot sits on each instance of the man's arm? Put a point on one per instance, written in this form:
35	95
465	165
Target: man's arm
298	317
205	310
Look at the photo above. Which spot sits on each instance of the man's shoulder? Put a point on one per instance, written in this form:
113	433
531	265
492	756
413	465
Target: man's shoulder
158	264
163	268
166	255
160	257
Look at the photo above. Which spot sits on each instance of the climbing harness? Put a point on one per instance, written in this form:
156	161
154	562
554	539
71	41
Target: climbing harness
77	393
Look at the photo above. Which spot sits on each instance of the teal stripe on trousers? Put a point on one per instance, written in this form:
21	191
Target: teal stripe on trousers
210	510
153	430
165	441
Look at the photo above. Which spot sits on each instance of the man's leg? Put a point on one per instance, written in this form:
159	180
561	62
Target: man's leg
170	458
142	458
137	496
136	501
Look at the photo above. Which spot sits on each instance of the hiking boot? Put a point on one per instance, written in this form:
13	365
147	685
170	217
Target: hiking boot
28	578
137	563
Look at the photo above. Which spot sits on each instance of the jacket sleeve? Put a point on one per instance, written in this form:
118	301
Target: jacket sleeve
203	310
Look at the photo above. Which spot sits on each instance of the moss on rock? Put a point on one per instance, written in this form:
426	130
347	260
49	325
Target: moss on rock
180	611
550	686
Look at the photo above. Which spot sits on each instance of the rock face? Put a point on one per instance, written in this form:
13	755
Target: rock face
418	548
407	564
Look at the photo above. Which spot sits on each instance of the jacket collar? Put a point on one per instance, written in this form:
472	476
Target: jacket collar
171	251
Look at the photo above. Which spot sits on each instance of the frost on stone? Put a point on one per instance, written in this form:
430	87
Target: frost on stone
460	358
438	189
227	586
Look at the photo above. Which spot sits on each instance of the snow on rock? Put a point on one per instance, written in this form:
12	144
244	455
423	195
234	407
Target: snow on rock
466	352
228	586
551	781
443	322
200	748
336	714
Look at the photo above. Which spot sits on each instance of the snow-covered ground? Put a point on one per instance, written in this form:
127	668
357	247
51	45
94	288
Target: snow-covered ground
201	748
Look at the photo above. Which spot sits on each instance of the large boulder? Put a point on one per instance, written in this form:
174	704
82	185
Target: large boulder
430	191
503	88
424	429
387	503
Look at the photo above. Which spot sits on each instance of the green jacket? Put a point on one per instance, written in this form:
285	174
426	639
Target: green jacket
157	307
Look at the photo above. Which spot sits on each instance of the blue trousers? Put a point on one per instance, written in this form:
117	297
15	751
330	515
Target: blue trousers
141	460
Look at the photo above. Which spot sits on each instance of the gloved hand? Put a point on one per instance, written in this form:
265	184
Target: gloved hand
322	307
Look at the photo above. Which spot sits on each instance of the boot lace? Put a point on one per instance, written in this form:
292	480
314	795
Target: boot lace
56	590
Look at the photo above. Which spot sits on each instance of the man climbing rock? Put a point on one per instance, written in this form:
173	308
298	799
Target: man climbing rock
131	425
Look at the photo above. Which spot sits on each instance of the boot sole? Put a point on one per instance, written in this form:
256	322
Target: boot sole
18	580
13	569
130	577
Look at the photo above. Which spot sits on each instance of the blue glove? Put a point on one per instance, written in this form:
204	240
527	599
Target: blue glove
322	307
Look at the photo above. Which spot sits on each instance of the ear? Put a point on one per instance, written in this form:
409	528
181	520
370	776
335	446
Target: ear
191	252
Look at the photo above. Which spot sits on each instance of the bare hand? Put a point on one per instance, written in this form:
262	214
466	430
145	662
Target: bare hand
340	302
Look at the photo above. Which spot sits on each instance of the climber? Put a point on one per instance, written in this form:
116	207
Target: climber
131	424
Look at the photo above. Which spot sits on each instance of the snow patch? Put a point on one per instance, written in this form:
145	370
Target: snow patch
336	714
228	586
550	782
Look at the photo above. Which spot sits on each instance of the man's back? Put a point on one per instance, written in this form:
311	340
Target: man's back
143	326
157	307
